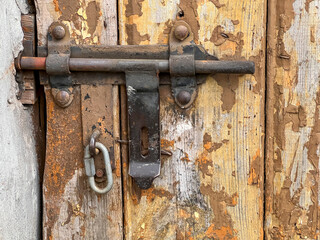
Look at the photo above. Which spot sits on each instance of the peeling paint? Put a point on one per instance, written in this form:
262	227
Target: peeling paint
133	7
229	84
222	226
134	37
93	14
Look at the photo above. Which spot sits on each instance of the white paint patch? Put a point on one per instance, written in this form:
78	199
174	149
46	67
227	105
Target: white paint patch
182	127
19	181
71	212
131	91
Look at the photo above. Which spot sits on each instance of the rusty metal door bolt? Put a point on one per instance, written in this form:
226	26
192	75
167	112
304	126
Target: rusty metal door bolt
140	66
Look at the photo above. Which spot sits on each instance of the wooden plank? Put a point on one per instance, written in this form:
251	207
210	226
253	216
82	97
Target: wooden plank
100	110
292	160
71	209
212	185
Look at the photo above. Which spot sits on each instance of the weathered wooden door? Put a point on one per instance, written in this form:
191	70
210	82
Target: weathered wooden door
217	183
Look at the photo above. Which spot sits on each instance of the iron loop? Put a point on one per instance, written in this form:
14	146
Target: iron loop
92	143
91	171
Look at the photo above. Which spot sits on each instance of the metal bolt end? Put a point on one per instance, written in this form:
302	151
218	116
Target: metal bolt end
99	172
184	97
58	32
181	32
63	98
96	151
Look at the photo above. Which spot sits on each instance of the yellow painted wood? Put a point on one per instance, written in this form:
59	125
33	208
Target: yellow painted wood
292	170
71	209
212	185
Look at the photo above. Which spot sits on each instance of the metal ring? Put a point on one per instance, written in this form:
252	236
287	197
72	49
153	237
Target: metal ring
92	143
91	171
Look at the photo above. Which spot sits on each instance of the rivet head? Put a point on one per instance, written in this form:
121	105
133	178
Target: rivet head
58	32
181	32
62	98
184	97
99	172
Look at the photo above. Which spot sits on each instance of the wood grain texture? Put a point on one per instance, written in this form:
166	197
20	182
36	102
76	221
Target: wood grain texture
292	160
212	185
71	209
100	110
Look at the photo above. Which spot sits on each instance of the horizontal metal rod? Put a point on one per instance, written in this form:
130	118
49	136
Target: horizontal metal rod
122	65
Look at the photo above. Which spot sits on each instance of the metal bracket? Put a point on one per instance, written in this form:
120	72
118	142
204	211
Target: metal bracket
57	63
144	126
142	69
182	64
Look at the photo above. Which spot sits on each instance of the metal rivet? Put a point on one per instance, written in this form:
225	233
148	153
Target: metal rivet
62	98
181	32
99	172
184	97
58	32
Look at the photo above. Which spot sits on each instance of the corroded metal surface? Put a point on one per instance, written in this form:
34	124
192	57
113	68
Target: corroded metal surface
144	125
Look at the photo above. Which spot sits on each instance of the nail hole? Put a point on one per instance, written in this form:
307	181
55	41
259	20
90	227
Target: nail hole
224	35
181	14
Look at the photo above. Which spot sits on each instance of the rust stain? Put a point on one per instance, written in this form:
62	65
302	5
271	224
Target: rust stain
212	146
222	233
56	6
254	174
134	7
157	192
204	164
93	15
222	223
134	37
183	214
150	194
64	154
217	3
166	143
185	158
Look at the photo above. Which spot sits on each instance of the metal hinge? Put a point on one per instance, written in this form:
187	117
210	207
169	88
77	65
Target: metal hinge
182	64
